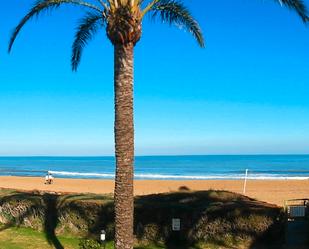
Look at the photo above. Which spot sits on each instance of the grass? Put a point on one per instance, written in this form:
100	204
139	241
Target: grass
27	238
22	238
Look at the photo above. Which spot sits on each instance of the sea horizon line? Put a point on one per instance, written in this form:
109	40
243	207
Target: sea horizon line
156	155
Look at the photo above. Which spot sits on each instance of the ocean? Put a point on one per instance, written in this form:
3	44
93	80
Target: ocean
164	167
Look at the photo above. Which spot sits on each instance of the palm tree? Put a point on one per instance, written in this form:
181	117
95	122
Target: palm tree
122	20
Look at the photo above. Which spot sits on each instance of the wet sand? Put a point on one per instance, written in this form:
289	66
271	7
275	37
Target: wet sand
272	191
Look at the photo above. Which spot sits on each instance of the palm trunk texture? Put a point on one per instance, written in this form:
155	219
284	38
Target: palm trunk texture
124	146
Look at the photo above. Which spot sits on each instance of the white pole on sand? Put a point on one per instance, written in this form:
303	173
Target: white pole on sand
245	182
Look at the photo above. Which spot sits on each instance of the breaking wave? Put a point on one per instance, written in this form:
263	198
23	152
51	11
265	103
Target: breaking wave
251	176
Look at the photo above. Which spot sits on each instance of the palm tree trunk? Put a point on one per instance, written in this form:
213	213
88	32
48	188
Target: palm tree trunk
124	146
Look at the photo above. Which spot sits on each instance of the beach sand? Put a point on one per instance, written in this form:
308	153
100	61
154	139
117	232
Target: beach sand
272	191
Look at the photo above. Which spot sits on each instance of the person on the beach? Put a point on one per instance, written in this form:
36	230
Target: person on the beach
46	179
49	178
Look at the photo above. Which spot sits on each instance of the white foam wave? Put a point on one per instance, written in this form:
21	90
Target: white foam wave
183	177
67	173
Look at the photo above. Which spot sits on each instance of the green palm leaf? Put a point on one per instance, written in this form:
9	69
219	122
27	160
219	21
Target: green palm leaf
45	5
86	30
297	5
174	12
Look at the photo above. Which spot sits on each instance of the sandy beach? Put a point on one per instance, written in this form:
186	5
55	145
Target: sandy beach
272	191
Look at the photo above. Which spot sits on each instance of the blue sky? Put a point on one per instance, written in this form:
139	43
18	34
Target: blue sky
245	93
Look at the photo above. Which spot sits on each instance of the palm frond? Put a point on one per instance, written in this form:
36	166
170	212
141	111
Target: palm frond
44	5
174	12
87	28
104	4
298	5
149	6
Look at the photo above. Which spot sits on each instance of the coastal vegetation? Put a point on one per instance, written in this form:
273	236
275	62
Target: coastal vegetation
209	219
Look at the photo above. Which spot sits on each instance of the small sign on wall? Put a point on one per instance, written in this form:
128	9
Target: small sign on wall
176	224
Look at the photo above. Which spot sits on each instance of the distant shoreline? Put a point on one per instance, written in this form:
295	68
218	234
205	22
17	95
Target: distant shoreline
272	191
159	177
